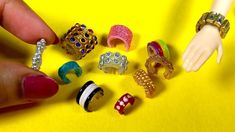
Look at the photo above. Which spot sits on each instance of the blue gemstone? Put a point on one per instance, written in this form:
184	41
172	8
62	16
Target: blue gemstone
83	26
78	44
72	39
83	51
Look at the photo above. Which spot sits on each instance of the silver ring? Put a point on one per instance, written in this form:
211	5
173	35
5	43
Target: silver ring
112	62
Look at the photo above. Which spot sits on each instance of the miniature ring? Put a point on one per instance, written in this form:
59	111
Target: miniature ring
37	58
112	62
143	79
79	41
123	102
65	68
120	32
88	95
158	47
152	61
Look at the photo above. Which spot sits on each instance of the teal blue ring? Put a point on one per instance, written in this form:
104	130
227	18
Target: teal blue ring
65	68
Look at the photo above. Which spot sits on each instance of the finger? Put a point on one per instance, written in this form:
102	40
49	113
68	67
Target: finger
201	61
193	60
187	51
220	53
20	20
189	57
19	85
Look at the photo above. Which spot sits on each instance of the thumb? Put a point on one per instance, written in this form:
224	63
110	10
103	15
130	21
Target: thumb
20	85
220	53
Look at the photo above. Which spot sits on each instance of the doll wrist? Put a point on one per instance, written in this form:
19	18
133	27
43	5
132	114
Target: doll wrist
216	20
211	29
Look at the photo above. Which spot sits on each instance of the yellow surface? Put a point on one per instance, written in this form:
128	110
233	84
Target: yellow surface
189	102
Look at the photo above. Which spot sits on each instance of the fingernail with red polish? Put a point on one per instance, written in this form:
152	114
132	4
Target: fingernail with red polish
39	87
57	40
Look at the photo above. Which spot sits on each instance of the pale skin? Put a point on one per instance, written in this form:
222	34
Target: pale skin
206	41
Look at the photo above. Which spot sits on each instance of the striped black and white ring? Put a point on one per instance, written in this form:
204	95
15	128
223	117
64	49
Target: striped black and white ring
86	94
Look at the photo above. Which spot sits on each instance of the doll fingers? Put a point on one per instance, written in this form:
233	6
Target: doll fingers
220	53
200	62
188	51
194	60
188	61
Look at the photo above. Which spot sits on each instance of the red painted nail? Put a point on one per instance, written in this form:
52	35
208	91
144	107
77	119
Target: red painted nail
39	87
57	40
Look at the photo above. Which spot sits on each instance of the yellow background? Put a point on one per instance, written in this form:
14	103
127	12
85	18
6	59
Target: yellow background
189	102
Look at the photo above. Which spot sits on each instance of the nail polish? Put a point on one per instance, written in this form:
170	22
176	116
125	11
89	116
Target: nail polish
38	87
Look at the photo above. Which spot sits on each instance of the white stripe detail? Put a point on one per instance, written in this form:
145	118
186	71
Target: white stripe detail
86	93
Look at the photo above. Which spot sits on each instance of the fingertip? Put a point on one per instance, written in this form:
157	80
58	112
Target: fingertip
218	60
38	87
220	54
21	84
20	20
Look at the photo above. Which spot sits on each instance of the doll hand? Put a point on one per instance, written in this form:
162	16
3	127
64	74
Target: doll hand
201	47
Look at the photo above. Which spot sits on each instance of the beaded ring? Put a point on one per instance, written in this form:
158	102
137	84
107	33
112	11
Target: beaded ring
111	62
158	47
79	41
122	33
37	58
88	95
151	65
123	102
143	79
65	68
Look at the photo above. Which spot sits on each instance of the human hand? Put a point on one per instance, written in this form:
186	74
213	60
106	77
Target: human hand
18	83
201	47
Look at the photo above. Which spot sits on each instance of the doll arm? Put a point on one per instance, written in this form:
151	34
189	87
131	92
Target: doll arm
206	41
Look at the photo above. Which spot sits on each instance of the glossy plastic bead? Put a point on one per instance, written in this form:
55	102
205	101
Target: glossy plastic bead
37	58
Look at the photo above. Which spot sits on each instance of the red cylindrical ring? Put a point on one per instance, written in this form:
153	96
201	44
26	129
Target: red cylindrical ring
123	102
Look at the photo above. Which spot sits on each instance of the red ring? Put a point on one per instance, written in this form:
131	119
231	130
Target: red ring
123	102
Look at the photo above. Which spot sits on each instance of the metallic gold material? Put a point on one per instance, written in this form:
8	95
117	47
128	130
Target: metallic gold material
151	65
143	79
79	41
215	19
